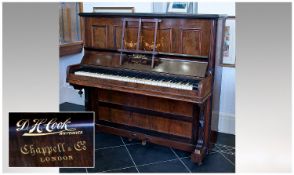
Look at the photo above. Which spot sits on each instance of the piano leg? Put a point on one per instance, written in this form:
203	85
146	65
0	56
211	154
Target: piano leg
91	102
200	151
198	155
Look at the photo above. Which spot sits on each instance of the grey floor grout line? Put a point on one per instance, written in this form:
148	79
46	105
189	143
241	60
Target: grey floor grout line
227	159
211	152
226	151
108	147
180	160
224	145
118	169
229	153
130	154
158	162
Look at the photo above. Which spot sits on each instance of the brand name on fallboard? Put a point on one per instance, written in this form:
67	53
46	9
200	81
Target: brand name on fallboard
44	126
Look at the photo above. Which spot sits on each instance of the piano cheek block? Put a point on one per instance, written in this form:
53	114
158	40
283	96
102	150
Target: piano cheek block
164	94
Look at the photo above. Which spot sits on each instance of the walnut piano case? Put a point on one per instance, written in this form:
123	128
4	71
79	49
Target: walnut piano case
153	77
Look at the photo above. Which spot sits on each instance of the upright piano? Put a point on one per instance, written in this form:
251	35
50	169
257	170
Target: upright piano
153	77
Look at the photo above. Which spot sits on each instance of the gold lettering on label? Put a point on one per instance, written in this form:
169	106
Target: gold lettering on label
45	150
22	124
70	157
36	126
80	145
56	158
24	149
38	151
43	126
42	160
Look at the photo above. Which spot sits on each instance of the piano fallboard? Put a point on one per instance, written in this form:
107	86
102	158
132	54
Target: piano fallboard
166	63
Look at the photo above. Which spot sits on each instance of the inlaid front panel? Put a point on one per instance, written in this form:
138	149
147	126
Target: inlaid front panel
163	39
130	41
181	36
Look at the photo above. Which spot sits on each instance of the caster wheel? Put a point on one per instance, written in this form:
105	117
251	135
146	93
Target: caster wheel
143	143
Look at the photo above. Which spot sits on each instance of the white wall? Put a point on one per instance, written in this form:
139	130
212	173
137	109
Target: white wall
227	101
66	92
139	7
227	8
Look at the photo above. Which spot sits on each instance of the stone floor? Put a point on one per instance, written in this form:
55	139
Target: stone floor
118	154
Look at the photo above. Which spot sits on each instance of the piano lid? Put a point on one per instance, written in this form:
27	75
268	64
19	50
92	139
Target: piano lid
155	15
163	64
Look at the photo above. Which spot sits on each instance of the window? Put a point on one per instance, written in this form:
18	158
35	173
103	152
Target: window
70	28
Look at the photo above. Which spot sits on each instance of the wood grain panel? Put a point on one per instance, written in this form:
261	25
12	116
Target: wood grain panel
117	37
174	35
165	39
99	36
152	103
168	126
191	41
174	127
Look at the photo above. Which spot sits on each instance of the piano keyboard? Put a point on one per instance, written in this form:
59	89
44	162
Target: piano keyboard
149	78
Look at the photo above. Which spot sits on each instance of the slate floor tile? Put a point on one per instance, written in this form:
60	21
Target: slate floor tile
72	170
150	153
226	139
212	163
71	107
103	140
230	157
174	166
128	141
181	153
111	158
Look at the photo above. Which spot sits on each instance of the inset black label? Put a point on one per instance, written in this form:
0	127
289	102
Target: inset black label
62	139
